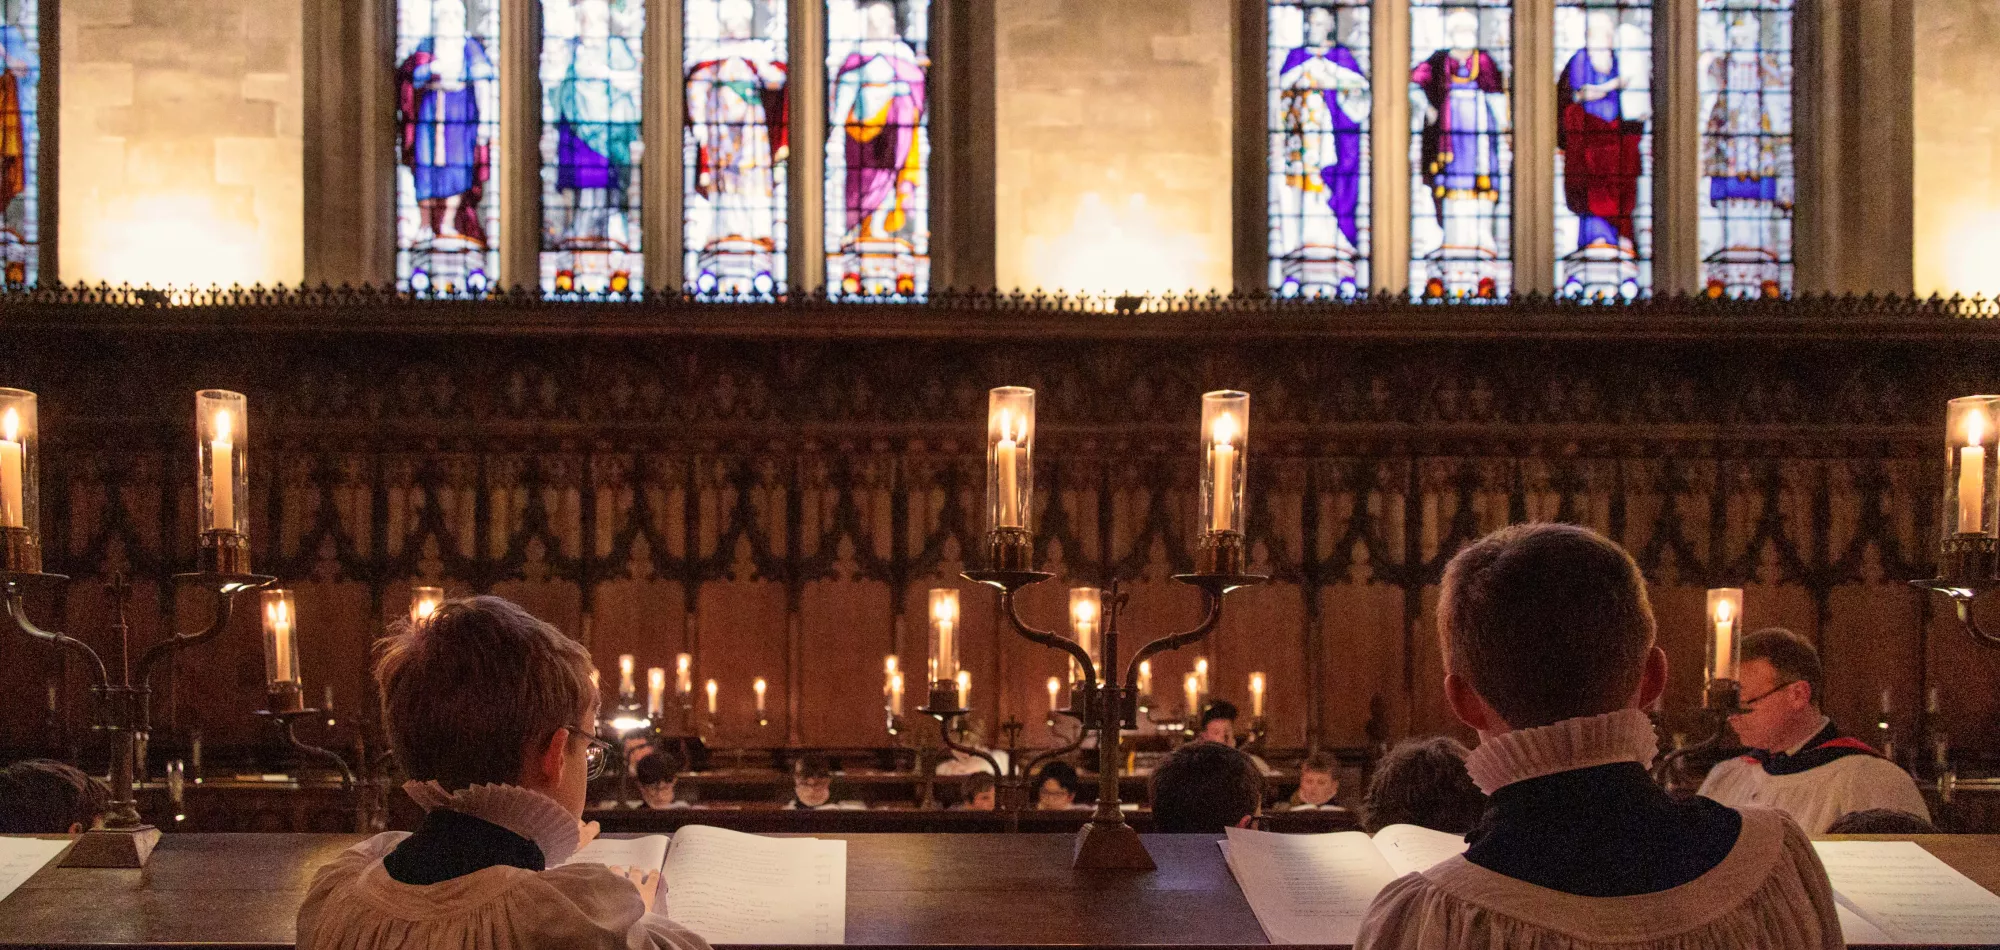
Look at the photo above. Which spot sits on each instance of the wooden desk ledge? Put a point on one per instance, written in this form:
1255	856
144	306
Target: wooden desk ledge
241	890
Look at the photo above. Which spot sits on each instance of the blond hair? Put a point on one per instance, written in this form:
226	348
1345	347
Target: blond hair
465	690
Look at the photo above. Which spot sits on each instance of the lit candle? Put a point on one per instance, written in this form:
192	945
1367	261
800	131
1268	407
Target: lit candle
1007	471
278	626
711	698
759	686
1931	702
1146	680
1085	606
424	601
965	689
1725	612
1257	695
684	675
1055	686
1193	697
656	691
625	687
1223	459
944	634
896	694
1201	674
1972	476
222	481
11	512
1885	702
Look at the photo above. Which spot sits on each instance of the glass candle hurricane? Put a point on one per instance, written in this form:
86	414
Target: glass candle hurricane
1972	434
20	491
281	651
1010	473
1725	640
944	637
1225	437
222	479
1086	619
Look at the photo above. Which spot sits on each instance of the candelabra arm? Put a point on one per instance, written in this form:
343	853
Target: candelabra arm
1028	767
225	587
1212	603
1051	640
944	732
17	612
1964	605
1963	591
325	755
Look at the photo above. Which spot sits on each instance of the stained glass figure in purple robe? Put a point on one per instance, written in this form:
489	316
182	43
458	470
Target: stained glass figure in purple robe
1323	103
446	115
878	222
1601	163
1459	98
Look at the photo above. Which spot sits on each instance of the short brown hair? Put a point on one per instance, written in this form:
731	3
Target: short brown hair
1203	788
1546	622
467	688
1792	656
46	797
1423	782
1321	761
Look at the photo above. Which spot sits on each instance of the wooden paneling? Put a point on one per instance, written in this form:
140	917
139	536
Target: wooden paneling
775	487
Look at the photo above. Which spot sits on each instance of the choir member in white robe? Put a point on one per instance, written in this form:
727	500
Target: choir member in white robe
1799	763
489	711
1550	656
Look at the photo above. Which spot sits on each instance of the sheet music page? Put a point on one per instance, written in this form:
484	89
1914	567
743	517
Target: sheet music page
1410	848
20	858
648	853
1910	895
1308	888
731	887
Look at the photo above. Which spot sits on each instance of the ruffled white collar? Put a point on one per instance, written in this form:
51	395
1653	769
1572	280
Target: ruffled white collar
523	811
1623	736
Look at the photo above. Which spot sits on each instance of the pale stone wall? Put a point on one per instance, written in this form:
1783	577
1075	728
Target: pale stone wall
181	145
1957	148
1113	139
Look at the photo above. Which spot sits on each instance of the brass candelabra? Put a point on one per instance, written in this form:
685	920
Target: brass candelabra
122	702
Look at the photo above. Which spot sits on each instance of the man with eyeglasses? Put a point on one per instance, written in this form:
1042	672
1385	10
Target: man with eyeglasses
1799	763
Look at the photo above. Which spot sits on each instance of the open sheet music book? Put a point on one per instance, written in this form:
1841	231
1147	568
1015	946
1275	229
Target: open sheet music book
730	887
1316	888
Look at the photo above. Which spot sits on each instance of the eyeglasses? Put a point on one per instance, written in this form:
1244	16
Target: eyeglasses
595	756
1766	694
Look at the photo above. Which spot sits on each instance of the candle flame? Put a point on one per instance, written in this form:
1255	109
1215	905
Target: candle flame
225	426
889	664
10	425
759	686
1225	429
682	663
1256	682
1975	427
1724	610
964	684
424	608
1146	668
1013	428
656	678
945	610
1200	667
1055	685
276	615
1085	612
625	663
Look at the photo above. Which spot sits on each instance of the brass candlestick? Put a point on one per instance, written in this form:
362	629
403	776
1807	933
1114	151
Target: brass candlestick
1719	702
287	715
126	841
1109	706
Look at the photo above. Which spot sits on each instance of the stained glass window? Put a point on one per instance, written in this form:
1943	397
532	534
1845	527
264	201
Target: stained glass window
878	148
1461	148
20	141
734	144
1317	74
447	120
1604	148
1746	147
591	150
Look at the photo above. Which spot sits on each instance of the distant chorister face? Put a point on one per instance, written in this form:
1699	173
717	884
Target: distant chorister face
1219	730
1053	796
813	792
1316	787
983	801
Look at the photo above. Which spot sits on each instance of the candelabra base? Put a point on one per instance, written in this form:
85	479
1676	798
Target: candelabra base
114	848
1110	846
